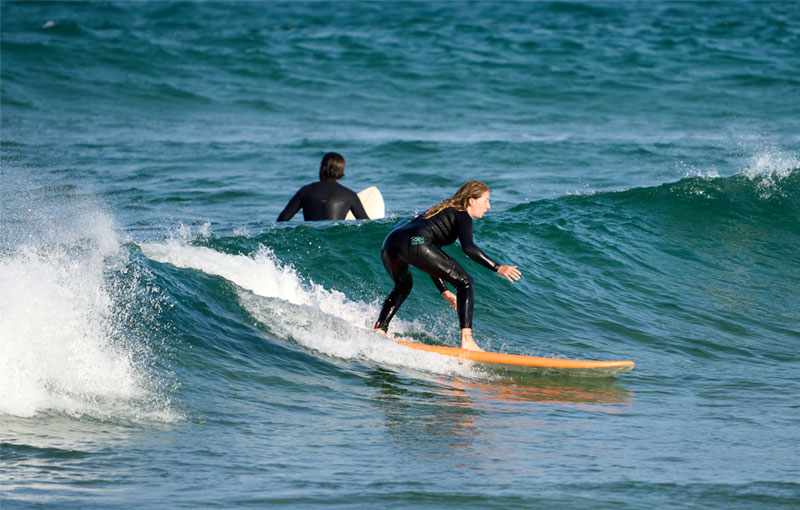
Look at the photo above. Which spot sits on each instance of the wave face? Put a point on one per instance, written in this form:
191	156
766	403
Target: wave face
158	329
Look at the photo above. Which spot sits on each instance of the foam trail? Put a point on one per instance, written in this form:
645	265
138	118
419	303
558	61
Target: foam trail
257	274
318	318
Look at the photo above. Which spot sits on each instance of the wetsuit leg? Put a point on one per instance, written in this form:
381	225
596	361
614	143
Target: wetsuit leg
436	262
398	270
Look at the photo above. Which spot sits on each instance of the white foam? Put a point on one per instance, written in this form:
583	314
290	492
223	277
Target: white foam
60	349
772	164
341	338
257	274
317	318
767	168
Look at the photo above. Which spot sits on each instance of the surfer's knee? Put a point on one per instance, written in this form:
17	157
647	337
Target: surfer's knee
463	281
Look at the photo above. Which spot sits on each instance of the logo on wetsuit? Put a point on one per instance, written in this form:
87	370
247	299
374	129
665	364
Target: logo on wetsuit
417	240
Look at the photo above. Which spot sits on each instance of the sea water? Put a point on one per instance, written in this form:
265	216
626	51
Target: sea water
164	343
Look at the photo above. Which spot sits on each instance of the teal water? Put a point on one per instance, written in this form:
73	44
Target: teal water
164	343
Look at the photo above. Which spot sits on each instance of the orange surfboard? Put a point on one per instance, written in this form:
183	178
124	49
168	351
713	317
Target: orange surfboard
517	362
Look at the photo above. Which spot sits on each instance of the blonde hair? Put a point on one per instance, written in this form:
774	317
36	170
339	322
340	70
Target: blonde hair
460	201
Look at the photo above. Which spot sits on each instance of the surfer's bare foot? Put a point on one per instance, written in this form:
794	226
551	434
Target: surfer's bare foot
467	342
382	332
470	345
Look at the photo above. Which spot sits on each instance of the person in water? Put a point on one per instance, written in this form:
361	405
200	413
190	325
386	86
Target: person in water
419	243
326	199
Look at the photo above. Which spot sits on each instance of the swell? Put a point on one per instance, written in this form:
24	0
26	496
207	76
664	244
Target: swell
119	51
770	199
281	313
700	267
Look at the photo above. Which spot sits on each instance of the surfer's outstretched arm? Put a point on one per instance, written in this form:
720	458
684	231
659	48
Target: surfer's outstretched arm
511	273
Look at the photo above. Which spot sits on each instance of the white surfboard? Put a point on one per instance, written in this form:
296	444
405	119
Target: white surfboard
372	200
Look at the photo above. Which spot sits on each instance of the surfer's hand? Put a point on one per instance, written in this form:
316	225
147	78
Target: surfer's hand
451	298
510	273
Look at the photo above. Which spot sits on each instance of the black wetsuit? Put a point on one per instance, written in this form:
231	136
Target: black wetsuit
419	243
324	200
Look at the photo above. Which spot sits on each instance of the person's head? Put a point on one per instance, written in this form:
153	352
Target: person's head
332	166
472	196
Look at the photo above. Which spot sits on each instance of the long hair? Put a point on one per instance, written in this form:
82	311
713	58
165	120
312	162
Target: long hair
332	166
460	201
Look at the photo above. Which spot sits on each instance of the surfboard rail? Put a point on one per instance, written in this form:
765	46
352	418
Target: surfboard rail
557	365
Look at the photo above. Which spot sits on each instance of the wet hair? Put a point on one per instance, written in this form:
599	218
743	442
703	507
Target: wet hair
460	201
332	166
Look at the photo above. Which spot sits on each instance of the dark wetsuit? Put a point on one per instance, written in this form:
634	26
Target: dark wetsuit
324	200
419	243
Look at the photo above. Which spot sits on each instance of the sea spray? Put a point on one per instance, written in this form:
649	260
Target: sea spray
65	345
769	168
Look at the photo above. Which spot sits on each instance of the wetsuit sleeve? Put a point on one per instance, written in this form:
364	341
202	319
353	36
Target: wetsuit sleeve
469	246
292	207
358	208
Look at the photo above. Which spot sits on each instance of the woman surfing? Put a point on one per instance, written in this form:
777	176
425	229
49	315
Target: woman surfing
419	243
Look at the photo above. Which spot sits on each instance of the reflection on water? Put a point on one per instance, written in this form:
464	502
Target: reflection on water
591	394
441	416
424	413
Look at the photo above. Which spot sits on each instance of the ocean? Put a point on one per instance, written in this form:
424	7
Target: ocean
164	343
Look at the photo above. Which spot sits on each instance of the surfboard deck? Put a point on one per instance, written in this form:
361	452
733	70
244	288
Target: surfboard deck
372	200
519	363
